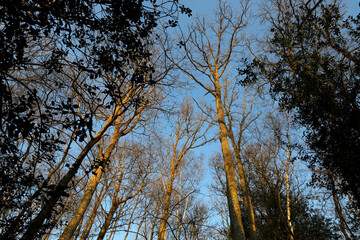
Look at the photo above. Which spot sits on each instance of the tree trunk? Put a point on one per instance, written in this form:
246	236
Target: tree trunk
80	211
94	181
244	187
237	229
114	206
288	211
107	222
247	197
165	214
287	181
48	208
90	221
338	210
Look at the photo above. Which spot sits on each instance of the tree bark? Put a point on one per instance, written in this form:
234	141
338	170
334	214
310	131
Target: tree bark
94	181
338	210
288	210
287	180
80	211
237	228
107	222
115	205
165	214
90	221
47	209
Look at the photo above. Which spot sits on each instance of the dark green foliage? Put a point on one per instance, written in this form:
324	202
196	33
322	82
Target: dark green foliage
25	141
316	72
113	29
42	41
268	190
308	223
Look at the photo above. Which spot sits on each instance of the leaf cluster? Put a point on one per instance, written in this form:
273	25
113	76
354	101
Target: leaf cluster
315	71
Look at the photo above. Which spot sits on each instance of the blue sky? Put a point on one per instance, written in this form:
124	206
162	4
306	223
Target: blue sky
208	6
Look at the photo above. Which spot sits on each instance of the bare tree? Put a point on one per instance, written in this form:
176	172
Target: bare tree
208	51
132	177
189	133
123	124
169	196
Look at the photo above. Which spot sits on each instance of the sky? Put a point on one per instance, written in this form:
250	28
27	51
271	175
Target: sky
208	6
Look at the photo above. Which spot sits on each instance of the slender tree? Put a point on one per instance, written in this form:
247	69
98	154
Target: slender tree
189	133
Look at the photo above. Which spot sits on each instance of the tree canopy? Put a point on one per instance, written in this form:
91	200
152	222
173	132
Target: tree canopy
313	68
62	63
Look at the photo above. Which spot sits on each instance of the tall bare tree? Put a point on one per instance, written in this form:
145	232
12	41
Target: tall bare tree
208	51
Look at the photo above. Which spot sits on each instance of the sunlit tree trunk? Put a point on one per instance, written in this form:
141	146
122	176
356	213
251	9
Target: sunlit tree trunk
90	221
131	220
27	205
247	196
338	210
165	214
180	219
115	205
287	180
61	187
47	209
95	179
288	210
82	207
237	228
242	124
